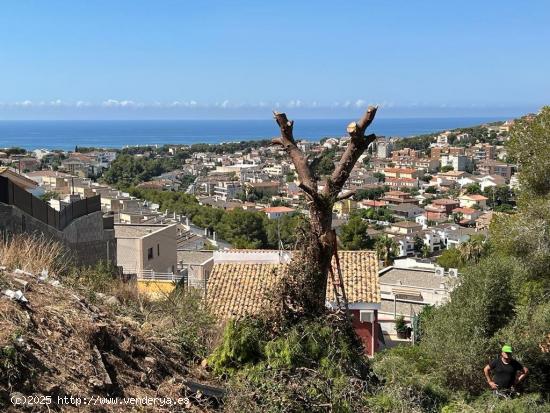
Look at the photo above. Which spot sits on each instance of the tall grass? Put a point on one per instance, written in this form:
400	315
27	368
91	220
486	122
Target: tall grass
34	253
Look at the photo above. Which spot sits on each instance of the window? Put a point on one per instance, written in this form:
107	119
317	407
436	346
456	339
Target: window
150	253
158	250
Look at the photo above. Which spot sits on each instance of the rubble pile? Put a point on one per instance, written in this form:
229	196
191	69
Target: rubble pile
54	342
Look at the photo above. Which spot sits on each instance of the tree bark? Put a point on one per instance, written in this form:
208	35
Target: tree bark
320	203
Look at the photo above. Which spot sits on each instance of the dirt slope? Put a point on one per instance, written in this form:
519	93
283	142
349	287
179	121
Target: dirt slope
58	344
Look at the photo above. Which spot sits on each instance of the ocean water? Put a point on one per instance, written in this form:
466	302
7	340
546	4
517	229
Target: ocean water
117	134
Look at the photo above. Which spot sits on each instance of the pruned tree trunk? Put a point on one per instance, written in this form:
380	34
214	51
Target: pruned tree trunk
320	203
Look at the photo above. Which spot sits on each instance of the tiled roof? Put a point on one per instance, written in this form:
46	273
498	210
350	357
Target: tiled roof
47	173
278	209
444	201
238	289
400	170
360	276
475	197
401	180
465	210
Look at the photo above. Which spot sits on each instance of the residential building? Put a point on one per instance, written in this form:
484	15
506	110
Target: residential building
404	227
400	183
407	287
146	248
467	216
384	148
407	211
457	162
266	188
227	190
278	211
277	170
437	151
488	181
115	202
344	207
198	265
447	203
473	201
454	176
453	235
369	203
481	152
408	173
492	167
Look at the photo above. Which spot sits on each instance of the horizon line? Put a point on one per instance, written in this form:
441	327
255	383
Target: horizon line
254	119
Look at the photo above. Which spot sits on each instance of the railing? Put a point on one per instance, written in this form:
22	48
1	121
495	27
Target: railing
150	275
12	194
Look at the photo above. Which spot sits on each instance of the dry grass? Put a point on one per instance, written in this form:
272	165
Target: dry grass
34	253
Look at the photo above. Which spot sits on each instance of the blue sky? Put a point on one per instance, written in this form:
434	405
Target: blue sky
241	59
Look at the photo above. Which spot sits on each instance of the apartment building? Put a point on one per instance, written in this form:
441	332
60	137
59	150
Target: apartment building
227	190
146	247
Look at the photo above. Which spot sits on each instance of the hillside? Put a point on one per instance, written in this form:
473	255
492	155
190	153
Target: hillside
56	341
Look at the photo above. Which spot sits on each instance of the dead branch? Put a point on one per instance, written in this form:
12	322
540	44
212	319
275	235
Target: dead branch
356	146
307	182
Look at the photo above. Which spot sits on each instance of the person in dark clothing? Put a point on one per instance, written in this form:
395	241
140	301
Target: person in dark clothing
505	373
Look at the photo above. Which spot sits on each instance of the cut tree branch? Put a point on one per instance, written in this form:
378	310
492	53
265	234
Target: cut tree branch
286	140
346	195
357	145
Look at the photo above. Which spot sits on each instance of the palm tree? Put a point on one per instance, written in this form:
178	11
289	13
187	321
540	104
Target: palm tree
472	250
386	249
425	251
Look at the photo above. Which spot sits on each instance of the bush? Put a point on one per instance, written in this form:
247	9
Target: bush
314	365
408	380
460	335
400	325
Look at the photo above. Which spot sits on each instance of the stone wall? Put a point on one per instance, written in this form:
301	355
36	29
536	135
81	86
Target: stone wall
85	237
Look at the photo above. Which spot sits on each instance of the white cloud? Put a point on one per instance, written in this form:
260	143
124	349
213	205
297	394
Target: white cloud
360	103
25	103
295	103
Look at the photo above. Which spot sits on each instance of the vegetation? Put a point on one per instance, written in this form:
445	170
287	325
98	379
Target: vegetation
243	229
500	195
128	170
473	189
312	366
371	193
377	214
76	314
324	164
501	298
49	195
353	234
386	249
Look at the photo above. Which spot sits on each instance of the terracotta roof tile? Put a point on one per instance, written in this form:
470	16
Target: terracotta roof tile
239	289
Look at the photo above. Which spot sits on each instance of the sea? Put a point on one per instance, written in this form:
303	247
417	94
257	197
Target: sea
67	134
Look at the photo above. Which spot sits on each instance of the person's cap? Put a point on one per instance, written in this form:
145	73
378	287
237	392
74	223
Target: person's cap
507	348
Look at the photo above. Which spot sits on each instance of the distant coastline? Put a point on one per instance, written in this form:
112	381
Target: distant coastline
66	135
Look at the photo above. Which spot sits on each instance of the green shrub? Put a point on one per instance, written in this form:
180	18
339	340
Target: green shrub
309	366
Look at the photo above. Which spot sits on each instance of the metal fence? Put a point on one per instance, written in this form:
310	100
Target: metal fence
150	275
12	194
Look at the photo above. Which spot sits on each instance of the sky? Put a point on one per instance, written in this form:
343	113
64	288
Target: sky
160	59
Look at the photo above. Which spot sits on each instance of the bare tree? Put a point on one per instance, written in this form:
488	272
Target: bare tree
320	203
